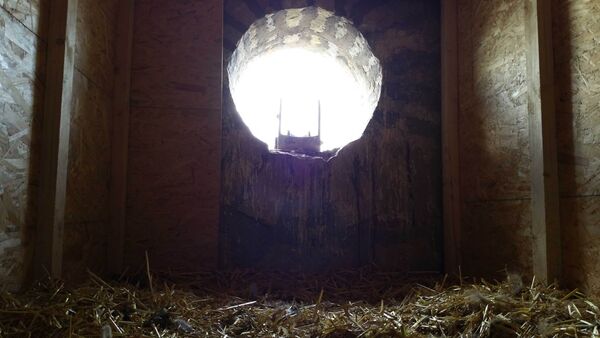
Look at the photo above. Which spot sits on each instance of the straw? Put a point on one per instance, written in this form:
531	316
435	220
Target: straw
340	304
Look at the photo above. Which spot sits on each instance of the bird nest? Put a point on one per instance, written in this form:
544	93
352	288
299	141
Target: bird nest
347	304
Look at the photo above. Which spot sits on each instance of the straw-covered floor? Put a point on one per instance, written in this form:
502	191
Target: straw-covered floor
339	305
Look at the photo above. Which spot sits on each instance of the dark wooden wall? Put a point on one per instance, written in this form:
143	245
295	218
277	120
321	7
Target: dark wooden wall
494	138
379	201
576	29
174	144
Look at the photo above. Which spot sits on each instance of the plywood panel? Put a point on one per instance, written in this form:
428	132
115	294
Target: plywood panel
576	29
177	54
31	13
577	60
497	238
494	130
21	84
173	187
21	66
581	242
175	135
493	138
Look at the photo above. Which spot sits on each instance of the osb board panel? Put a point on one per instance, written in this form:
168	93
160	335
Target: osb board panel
496	238
380	199
88	179
177	54
494	138
576	32
493	122
580	218
95	44
21	66
577	71
173	188
31	13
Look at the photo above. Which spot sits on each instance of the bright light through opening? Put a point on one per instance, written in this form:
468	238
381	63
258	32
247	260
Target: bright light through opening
307	90
297	81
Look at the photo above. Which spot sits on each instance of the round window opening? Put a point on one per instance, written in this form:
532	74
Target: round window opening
304	81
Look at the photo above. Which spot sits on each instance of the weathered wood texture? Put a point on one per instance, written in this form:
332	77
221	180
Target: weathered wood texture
177	57
22	62
175	135
494	138
87	211
379	201
576	31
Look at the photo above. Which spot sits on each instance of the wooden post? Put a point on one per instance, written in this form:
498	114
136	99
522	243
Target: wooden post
58	103
120	137
450	145
542	128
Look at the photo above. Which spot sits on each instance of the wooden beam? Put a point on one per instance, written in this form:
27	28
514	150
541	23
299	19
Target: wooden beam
58	103
120	136
543	149
450	144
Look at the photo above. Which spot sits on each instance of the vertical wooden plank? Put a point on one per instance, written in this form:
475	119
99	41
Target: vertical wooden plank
451	192
55	137
542	127
120	136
